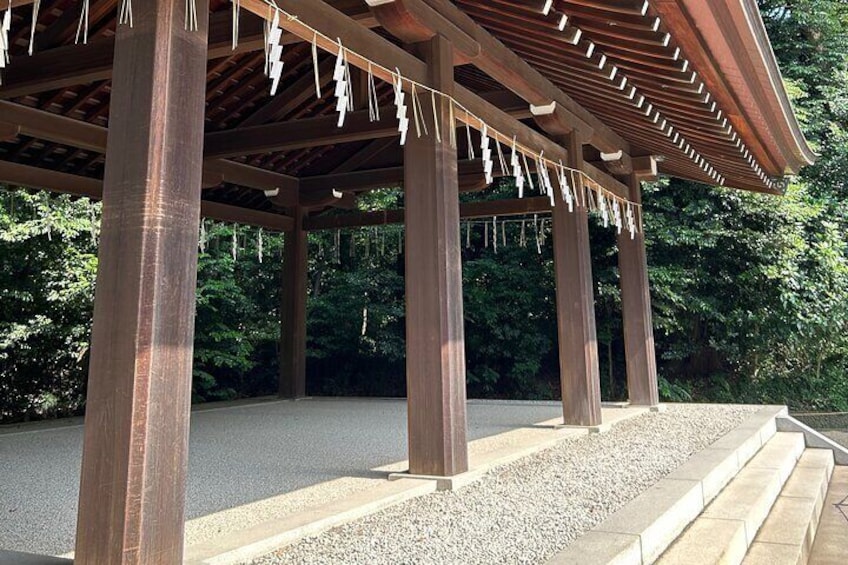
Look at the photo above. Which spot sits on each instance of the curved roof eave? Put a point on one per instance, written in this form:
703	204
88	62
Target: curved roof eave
733	39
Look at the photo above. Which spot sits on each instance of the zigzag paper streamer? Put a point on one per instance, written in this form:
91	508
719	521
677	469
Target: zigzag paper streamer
515	161
342	92
486	154
403	120
275	53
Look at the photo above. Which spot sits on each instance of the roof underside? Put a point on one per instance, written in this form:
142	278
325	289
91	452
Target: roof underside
662	90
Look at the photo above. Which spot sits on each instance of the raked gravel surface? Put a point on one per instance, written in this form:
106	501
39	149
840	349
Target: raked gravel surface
529	510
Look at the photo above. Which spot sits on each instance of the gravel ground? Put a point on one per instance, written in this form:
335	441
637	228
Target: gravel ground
248	462
529	510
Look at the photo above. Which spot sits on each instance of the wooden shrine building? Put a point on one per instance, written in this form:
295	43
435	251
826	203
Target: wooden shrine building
164	109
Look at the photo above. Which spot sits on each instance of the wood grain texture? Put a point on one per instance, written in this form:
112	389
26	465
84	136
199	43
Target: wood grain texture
292	378
435	340
575	303
636	308
135	450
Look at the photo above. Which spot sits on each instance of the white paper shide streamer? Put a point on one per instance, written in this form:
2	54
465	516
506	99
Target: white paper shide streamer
516	169
274	52
341	75
5	26
486	154
400	97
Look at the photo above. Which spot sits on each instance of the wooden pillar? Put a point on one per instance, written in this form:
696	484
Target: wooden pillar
435	341
636	308
575	302
135	452
292	382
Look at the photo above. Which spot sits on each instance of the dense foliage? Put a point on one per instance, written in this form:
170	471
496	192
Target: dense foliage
750	292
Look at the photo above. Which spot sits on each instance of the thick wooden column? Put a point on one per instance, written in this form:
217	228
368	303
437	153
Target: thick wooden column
636	308
292	382
575	302
132	491
435	341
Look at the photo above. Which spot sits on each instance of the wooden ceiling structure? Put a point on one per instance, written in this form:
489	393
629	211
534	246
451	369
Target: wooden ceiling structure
167	122
681	81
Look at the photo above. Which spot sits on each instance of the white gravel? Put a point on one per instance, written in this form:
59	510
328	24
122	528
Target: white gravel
529	510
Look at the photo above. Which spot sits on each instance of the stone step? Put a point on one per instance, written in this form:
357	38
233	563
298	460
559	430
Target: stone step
831	544
727	527
786	537
642	530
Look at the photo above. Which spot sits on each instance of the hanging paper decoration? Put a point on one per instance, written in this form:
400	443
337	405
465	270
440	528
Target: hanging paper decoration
616	215
343	94
417	113
191	21
522	239
631	223
471	155
274	52
546	181
486	155
125	13
604	210
538	236
203	236
5	26
234	248
436	127
565	187
495	233
259	245
36	6
501	157
468	235
452	126
236	17
373	101
82	27
403	120
527	172
516	170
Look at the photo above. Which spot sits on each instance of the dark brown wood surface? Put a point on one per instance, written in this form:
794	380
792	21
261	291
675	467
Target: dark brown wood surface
575	304
135	452
435	340
636	307
292	381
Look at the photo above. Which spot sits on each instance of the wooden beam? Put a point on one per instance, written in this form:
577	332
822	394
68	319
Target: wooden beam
299	134
575	304
495	59
75	133
435	342
639	353
135	448
645	168
482	209
15	174
292	376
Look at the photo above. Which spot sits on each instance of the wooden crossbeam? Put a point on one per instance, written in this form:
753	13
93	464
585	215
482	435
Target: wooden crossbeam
300	134
75	133
467	210
15	174
470	177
